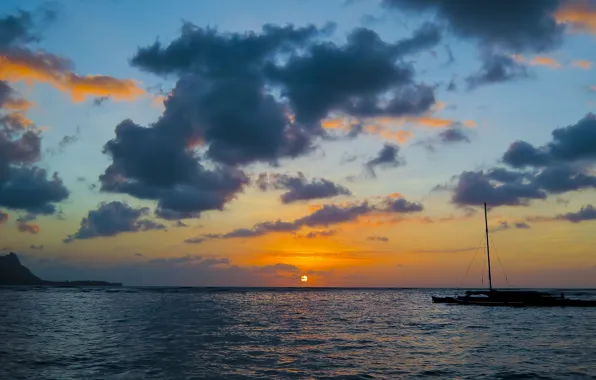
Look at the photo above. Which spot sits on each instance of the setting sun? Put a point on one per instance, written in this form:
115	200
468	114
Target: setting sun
304	278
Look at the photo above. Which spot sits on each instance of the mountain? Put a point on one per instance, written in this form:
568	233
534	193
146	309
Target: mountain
12	272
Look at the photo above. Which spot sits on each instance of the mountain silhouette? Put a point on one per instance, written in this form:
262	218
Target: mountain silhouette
12	272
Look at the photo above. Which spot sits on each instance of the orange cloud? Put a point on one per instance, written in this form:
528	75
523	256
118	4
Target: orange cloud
400	136
469	123
28	227
432	122
47	68
18	104
17	120
538	61
583	64
580	15
315	207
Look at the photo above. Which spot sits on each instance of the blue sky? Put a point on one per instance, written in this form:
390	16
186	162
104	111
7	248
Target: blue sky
101	38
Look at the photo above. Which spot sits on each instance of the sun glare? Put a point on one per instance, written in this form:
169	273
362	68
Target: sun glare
304	278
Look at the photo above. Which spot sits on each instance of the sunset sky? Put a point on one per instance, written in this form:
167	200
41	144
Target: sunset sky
248	143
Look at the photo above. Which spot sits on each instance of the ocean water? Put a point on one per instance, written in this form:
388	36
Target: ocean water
190	333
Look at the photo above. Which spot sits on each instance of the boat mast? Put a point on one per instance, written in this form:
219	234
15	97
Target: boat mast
490	282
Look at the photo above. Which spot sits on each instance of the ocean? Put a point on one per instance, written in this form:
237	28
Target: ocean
198	333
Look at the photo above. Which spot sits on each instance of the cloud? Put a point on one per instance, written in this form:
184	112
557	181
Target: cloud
513	25
318	234
572	143
453	250
451	135
31	228
388	157
582	64
504	225
156	163
170	271
299	188
36	247
195	240
538	61
111	219
18	63
564	164
224	74
497	68
28	188
100	100
382	239
350	79
3	217
326	216
26	66
585	213
20	29
580	15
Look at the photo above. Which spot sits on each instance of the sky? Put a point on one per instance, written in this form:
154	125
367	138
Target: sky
237	143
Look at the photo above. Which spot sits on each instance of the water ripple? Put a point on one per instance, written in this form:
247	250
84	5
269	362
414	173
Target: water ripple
183	333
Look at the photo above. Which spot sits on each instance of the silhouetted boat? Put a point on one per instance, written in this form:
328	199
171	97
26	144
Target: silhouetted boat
512	298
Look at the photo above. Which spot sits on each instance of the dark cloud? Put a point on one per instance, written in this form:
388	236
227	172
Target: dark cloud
453	134
387	157
155	163
222	54
571	143
299	188
221	97
36	247
3	217
23	186
585	213
279	267
511	25
24	226
497	68
99	101
504	225
564	164
17	30
195	240
114	218
222	103
29	189
176	260
477	188
318	234
382	239
325	216
352	78
400	206
69	140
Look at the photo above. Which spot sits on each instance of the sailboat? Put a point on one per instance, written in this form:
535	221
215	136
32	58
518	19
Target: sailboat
512	298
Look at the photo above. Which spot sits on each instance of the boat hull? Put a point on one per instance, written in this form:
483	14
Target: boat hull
554	302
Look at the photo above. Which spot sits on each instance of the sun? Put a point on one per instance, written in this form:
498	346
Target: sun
304	278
